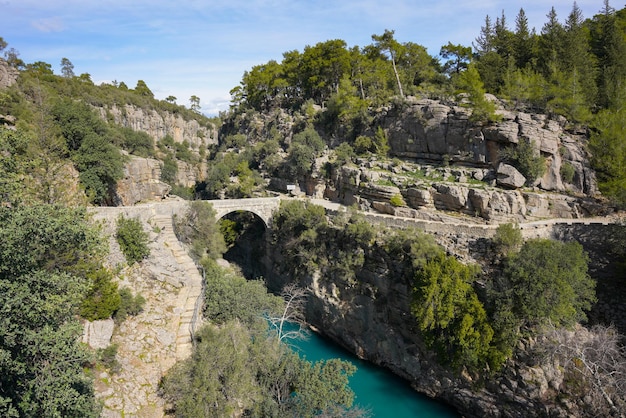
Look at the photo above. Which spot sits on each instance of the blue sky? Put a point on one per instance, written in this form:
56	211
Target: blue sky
202	47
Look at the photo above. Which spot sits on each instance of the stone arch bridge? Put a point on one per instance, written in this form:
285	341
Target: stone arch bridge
263	207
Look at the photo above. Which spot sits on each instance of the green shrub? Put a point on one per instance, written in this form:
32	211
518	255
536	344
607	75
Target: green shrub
198	229
451	317
133	240
186	193
397	200
567	172
344	153
137	142
235	141
547	281
526	159
169	170
103	299
108	358
168	141
508	239
129	305
183	152
228	296
381	143
363	145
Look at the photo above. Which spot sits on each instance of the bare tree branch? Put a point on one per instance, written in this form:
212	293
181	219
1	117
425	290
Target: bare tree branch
292	315
597	358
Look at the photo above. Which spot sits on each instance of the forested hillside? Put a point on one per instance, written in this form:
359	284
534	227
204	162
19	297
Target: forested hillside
59	134
572	69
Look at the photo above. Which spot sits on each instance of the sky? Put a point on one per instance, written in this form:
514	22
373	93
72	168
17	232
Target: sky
182	48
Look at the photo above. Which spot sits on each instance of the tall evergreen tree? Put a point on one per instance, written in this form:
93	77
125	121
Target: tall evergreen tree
490	63
609	46
577	53
484	42
522	41
550	43
387	43
504	38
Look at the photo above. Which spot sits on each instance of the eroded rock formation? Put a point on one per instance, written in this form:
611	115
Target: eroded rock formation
160	124
429	130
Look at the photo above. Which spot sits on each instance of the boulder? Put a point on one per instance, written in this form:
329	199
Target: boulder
97	334
508	176
537	206
416	198
450	197
479	202
551	179
505	132
377	191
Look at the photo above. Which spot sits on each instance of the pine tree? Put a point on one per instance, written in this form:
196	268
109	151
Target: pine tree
609	46
550	43
490	63
522	41
484	42
577	57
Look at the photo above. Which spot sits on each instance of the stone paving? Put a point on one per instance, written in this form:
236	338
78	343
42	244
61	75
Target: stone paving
151	342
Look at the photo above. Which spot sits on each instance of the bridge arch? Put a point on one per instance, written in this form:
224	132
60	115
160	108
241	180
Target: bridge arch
263	207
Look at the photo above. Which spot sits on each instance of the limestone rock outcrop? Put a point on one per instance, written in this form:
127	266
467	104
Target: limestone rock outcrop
455	190
141	182
8	74
160	124
433	131
188	175
97	334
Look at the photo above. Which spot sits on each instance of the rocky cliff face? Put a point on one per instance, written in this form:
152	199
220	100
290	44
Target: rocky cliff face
446	162
142	176
141	182
8	77
430	130
160	124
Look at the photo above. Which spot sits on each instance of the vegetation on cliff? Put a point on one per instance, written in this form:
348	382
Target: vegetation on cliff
57	132
54	149
48	257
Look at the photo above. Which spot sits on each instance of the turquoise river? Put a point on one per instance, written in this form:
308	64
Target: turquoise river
381	392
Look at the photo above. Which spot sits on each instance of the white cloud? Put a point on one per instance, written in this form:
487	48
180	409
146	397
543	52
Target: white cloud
51	24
